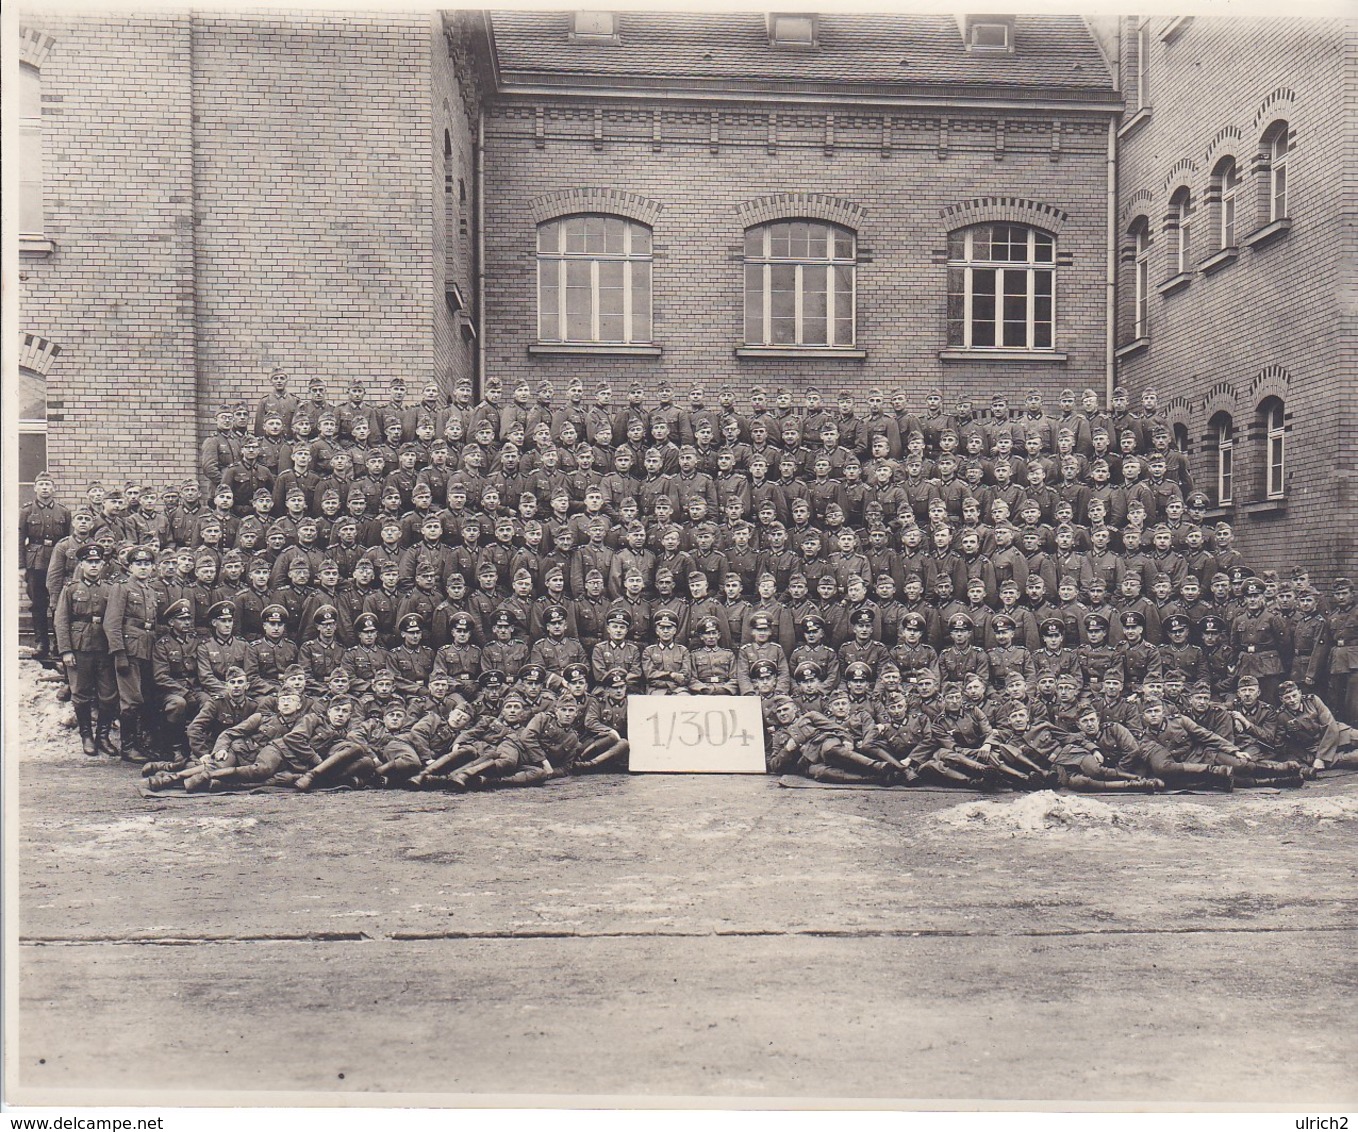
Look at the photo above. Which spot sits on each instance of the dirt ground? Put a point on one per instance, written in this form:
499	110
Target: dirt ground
670	936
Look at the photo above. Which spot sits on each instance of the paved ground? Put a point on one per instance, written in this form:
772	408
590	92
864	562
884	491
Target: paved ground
713	936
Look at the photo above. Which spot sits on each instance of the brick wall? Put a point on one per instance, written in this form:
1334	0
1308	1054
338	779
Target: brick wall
1273	322
314	180
897	181
116	293
231	193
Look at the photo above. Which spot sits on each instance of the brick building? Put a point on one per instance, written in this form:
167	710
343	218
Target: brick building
1236	267
794	199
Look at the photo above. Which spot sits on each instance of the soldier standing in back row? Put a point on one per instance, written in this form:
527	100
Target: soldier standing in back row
1343	642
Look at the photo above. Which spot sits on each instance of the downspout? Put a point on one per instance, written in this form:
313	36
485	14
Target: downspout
1110	344
1110	332
480	249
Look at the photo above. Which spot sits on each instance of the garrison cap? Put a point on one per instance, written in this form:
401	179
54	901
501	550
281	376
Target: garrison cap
1247	680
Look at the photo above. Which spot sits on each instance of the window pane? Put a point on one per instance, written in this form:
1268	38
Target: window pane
30	180
983	307
780	240
32	455
614	226
801	239
579	323
844	245
32	396
641	302
957	246
573	235
549	235
814	307
754	242
844	306
1279	191
754	303
1044	247
549	299
641	239
980	243
783	304
611	299
1015	309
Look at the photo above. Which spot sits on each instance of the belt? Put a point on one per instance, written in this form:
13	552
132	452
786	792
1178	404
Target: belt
1249	648
47	542
1340	642
93	620
147	625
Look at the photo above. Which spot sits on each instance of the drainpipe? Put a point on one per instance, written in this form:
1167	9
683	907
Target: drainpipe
1110	345
480	250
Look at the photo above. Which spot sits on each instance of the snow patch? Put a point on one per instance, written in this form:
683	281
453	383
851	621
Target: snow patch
1042	812
45	725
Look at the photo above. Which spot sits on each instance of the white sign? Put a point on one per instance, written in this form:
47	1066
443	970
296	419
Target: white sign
695	734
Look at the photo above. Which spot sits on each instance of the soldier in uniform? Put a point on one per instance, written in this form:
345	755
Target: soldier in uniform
83	649
1260	641
714	667
605	725
43	522
1343	644
666	666
761	647
130	627
1309	733
556	650
174	666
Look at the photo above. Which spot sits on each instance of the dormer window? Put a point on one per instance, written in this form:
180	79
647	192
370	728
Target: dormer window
792	29
989	33
594	27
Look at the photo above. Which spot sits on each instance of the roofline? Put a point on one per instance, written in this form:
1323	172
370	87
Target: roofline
1107	101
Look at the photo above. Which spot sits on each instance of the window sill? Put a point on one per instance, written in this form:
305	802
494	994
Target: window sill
36	247
1135	122
837	352
597	349
1001	356
1268	233
1175	283
1134	347
1266	507
1223	258
1224	511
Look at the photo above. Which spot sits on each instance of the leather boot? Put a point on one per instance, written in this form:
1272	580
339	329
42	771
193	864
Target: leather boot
84	720
129	735
103	740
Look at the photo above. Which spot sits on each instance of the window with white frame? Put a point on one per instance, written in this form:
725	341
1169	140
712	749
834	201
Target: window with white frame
594	281
30	151
799	284
1142	276
792	29
1223	438
990	36
1181	210
1271	420
32	422
1228	177
1001	288
1277	172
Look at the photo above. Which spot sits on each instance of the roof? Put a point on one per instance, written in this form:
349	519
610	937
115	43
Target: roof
880	53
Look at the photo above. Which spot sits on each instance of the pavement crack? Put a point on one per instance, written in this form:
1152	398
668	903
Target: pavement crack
453	934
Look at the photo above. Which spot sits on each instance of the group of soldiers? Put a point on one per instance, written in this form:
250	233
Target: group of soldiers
451	593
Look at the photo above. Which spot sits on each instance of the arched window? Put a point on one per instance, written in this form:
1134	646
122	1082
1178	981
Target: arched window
1277	146
1221	429
1141	286
594	281
30	151
1227	178
1001	288
1272	428
799	284
32	429
1180	212
1181	443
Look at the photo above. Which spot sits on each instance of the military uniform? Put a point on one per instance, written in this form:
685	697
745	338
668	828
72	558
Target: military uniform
81	608
41	527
